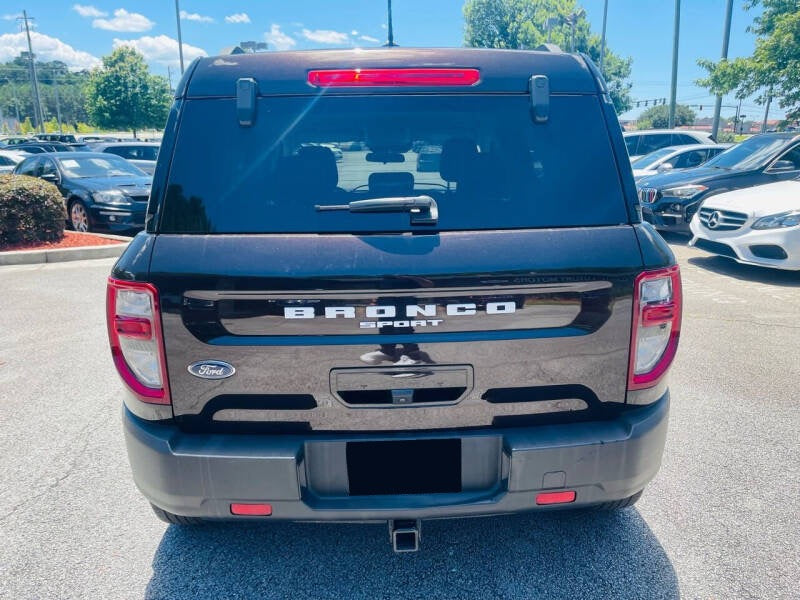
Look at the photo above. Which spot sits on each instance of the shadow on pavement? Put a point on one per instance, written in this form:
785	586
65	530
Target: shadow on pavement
729	267
559	555
675	239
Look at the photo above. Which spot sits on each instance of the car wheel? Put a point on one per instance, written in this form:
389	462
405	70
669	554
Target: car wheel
168	517
79	216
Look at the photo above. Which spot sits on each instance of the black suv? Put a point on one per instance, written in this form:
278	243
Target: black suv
311	339
670	200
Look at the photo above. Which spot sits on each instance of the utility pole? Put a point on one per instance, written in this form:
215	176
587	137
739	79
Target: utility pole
58	102
726	36
674	87
603	37
37	105
390	41
180	39
169	77
766	111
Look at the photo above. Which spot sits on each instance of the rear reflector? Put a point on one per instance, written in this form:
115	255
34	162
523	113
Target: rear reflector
251	510
392	77
564	497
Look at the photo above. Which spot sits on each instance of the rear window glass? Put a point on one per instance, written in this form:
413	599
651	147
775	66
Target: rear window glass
481	158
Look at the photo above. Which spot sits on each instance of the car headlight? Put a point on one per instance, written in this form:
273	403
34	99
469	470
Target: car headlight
111	197
784	219
684	191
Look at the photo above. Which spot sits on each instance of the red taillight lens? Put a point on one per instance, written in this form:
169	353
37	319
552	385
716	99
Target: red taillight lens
392	77
251	510
656	326
564	497
134	332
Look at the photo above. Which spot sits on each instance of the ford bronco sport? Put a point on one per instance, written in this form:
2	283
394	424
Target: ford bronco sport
308	338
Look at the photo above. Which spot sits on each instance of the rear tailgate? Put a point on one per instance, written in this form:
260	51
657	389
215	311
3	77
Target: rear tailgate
397	332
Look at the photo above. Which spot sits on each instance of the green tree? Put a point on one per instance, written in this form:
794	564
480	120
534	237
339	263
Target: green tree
657	117
521	24
774	65
123	94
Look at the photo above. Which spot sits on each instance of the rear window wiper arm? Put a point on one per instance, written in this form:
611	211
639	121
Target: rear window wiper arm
423	209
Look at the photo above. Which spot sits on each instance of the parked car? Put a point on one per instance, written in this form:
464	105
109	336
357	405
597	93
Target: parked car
36	147
428	158
10	159
646	141
675	158
13	140
670	200
141	154
307	339
102	191
64	138
758	225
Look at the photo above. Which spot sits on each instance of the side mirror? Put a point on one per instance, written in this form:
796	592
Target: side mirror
51	177
664	167
782	166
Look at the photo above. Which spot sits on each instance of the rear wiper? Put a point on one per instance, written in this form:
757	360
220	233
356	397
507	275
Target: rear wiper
423	209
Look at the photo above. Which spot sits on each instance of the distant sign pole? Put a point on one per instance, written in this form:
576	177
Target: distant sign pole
180	39
674	86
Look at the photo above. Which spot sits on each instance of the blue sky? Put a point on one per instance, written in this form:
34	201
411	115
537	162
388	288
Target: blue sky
81	33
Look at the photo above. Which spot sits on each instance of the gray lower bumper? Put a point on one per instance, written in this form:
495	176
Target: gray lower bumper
201	475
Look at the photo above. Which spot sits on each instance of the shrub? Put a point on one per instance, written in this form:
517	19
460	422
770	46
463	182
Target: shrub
31	210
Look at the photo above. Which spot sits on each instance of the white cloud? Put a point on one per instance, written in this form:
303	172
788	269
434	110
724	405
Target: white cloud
198	18
354	32
46	48
383	25
161	49
326	36
369	38
87	10
238	18
10	17
279	40
124	21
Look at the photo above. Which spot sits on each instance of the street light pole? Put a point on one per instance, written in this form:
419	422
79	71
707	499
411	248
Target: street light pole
180	39
766	111
726	36
674	87
603	37
37	103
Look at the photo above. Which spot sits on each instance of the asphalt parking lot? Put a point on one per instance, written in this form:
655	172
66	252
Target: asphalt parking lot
720	520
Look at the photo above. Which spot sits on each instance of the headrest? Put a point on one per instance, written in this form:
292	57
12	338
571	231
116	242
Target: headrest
318	165
457	156
399	183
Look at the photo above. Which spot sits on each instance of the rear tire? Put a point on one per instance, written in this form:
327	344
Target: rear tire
168	517
620	504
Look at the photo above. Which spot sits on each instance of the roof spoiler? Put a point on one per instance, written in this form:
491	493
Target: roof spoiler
540	98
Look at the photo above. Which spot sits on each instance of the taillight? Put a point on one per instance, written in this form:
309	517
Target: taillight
392	77
134	332
656	326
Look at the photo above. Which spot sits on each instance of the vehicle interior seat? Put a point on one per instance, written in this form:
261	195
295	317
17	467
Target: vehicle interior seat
458	157
390	184
314	170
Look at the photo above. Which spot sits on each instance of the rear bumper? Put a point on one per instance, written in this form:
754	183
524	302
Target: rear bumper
201	475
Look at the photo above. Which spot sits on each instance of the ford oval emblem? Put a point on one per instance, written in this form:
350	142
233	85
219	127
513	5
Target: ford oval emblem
211	369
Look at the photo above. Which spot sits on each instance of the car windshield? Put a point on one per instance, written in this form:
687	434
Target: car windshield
97	166
650	160
481	158
749	154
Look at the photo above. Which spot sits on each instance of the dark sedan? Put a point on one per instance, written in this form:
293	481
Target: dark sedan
670	200
102	191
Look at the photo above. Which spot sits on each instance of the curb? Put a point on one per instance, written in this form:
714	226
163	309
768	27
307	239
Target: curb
32	257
